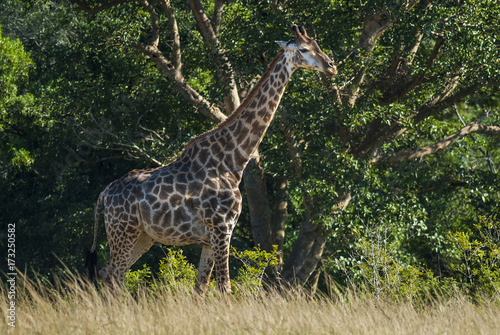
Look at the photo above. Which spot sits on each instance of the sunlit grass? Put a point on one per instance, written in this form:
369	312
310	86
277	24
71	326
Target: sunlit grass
73	307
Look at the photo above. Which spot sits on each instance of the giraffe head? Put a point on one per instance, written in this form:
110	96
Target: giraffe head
307	54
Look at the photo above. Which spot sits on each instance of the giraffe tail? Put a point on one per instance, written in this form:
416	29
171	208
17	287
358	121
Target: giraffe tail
91	257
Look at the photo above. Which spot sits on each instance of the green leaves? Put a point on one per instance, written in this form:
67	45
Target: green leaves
14	66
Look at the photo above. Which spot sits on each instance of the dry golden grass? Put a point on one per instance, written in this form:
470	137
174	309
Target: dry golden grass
74	310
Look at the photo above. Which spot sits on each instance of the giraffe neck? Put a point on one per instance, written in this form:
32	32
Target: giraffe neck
231	144
249	125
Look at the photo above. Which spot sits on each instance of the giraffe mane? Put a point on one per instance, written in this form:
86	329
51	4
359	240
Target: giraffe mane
249	98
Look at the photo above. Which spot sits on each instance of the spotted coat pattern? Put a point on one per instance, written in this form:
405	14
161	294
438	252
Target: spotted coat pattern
196	198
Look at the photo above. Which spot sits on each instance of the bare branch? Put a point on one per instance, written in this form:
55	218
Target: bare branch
400	90
209	32
190	94
217	19
355	87
407	155
173	68
444	101
155	28
176	42
204	24
380	134
374	26
486	154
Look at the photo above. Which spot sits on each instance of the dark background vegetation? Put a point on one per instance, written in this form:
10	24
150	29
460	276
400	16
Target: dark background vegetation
383	175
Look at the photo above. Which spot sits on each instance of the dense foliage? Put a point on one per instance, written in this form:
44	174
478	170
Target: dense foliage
385	174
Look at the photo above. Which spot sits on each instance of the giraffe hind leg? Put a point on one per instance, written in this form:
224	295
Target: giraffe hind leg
204	270
125	250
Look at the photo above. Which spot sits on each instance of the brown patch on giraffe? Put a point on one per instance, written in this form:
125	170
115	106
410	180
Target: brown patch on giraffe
203	156
195	167
181	215
175	200
181	188
200	175
156	190
168	179
265	88
262	101
282	77
194	188
181	178
184	227
239	159
171	232
166	191
217	151
242	135
157	229
150	198
255	125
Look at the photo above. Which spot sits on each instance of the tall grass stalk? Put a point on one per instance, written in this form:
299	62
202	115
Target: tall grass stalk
71	306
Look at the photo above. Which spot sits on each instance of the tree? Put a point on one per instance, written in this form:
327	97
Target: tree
412	62
405	137
14	67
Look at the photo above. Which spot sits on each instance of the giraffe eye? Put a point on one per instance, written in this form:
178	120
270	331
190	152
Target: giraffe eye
303	50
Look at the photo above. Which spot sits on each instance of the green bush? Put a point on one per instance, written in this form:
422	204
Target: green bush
473	266
176	273
477	263
252	272
138	279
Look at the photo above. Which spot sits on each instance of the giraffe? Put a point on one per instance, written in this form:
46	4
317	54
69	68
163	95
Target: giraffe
196	198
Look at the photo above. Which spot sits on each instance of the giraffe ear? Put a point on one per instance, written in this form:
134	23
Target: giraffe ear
286	45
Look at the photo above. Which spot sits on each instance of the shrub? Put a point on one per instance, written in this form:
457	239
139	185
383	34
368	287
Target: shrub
251	274
477	265
176	273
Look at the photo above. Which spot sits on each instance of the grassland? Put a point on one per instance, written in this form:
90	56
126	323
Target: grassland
71	309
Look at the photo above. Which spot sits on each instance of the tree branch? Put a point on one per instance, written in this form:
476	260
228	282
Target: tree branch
407	155
209	31
401	90
176	42
217	19
486	154
442	101
374	25
204	25
190	94
155	28
445	101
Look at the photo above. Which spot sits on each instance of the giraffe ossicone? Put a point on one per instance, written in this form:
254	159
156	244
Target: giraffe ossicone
196	198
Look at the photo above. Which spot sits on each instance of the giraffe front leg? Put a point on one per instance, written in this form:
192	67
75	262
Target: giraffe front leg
220	246
204	270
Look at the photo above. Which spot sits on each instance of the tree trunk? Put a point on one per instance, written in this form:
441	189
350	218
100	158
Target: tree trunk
306	254
279	217
308	249
258	204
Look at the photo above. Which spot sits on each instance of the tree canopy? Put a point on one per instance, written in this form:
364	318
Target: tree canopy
398	153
